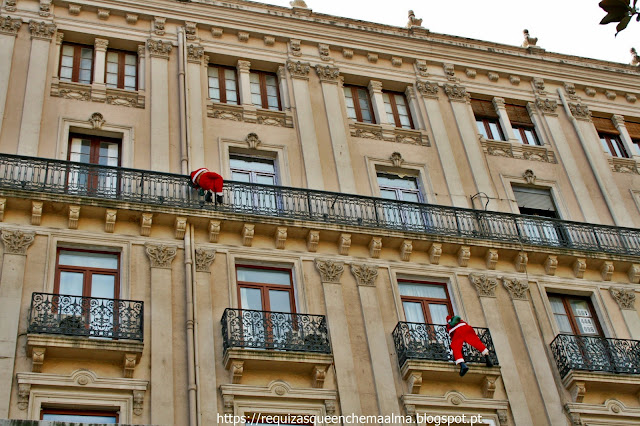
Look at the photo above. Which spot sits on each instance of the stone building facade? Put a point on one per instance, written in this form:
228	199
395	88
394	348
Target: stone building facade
379	178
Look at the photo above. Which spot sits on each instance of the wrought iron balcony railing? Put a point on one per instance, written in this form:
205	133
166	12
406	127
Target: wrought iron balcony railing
86	316
243	328
594	353
164	189
431	342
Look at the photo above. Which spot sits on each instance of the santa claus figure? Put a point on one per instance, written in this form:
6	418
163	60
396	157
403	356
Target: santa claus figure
209	182
460	333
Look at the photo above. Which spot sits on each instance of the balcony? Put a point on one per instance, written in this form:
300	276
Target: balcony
597	363
259	340
55	177
66	326
423	352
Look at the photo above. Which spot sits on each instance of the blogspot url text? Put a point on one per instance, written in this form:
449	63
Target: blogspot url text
302	419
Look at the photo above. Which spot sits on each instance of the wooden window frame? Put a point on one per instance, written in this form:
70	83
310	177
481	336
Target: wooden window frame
521	130
425	301
222	84
94	155
77	56
72	412
394	109
636	143
253	173
265	287
356	103
398	190
121	64
87	272
610	139
485	121
571	317
263	88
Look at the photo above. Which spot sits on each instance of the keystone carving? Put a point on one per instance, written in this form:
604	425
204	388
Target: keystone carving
330	271
161	256
365	274
485	285
204	258
17	242
625	297
529	177
517	288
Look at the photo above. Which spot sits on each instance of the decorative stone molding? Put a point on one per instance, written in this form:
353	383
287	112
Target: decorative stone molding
323	51
97	120
9	25
103	14
625	297
225	111
366	275
190	30
375	247
624	165
110	220
427	89
579	266
37	355
514	79
318	374
269	40
158	25
489	386
529	177
580	111
538	86
330	271
546	106
421	67
520	261
435	251
464	254
252	140
631	98
328	73
160	256
195	54
45	8
344	244
299	69
577	391
503	417
216	32
294	47
485	285
517	150
396	61
517	288
493	76
455	92
607	270
551	264
634	273
145	224
159	48
236	370
248	231
24	390
491	258
610	94
228	403
347	53
214	231
36	212
204	258
131	18
42	30
16	241
396	159
372	57
449	71
570	89
180	225
405	250
313	239
414	382
590	91
10	5
129	362
243	36
280	237
471	72
138	402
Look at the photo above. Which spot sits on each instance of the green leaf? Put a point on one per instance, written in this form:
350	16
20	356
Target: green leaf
623	24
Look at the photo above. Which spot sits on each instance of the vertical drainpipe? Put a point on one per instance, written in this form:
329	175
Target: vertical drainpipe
184	149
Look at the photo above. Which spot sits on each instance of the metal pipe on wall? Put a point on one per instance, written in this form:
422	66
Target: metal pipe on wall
192	388
184	148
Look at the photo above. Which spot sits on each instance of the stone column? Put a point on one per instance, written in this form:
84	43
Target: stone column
618	121
376	338
8	31
284	88
159	51
329	77
412	99
546	385
375	92
205	337
299	72
548	109
195	90
486	288
141	65
429	92
161	348
498	104
58	55
14	261
98	86
330	273
465	122
41	35
626	297
244	82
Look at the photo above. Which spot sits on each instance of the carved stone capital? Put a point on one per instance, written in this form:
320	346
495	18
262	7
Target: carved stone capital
204	258
485	285
455	92
580	111
625	297
375	86
299	69
9	25
328	73
546	106
330	271
161	256
427	89
517	288
405	250
42	30
17	242
100	44
365	274
159	48
375	247
195	54
313	239
498	103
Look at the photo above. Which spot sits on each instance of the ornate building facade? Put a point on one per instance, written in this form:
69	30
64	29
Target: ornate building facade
378	179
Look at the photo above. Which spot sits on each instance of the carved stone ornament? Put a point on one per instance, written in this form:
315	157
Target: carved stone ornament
281	237
435	251
365	274
449	71
131	18
528	40
161	256
413	21
631	98
570	88
607	270
138	402
216	32
625	297
299	69
635	59
529	177
330	271
243	36
103	14
97	121
253	140
42	30
347	53
372	57
579	267
485	285
590	91
375	247
330	406
45	8
514	79
24	390
214	231
269	40
294	46
551	264
405	250
247	233
313	239
538	85
10	5
298	3
17	242
190	29
328	73
228	403
471	72
344	244
517	288
74	217
491	258
323	51
493	76
455	93
546	106
158	25
427	88
204	258
9	25
464	254
194	53
396	159
396	61
421	67
580	111
610	94
159	48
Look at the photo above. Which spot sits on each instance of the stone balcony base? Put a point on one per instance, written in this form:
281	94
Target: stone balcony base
578	383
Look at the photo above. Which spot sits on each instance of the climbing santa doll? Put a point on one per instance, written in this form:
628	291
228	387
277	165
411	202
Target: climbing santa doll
460	332
208	182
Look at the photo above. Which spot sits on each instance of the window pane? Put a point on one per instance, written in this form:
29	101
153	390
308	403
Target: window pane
265	180
605	145
80	150
71	283
518	135
88	259
103	286
481	129
254	164
351	109
279	301
410	196
395	181
531	137
388	108
363	98
112	80
388	194
108	154
130	83
130	59
495	131
80	418
251	298
256	97
413	312
432	291
230	85
438	313
266	276
241	176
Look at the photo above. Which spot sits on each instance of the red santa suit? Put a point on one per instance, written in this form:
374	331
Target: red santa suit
463	333
209	181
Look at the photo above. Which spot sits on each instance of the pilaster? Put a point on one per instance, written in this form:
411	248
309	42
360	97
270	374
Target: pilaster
244	82
618	121
9	28
505	122
98	87
626	298
195	90
159	52
375	92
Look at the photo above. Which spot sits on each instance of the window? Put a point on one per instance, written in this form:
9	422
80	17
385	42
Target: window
425	302
98	151
634	132
609	137
223	85
122	70
522	125
574	315
76	63
405	188
264	90
538	202
396	106
359	105
487	120
250	169
77	416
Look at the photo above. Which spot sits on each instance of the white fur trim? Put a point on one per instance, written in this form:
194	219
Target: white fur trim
457	326
198	173
485	352
458	361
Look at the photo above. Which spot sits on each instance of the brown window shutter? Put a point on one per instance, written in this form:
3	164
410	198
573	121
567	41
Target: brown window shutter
519	115
483	109
604	125
633	129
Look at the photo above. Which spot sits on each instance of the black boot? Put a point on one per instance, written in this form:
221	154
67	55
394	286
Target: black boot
487	360
219	199
463	369
208	197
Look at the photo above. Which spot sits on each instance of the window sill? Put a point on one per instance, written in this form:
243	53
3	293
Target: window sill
249	114
97	93
517	150
624	165
388	133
